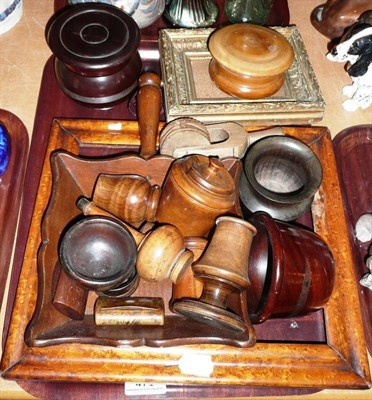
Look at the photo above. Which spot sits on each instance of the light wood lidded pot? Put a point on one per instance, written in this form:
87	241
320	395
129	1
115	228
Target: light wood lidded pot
249	61
195	192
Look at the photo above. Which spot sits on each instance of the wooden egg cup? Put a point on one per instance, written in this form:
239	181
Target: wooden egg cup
223	269
131	198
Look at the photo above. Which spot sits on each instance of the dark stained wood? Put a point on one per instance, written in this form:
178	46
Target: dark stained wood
353	150
11	189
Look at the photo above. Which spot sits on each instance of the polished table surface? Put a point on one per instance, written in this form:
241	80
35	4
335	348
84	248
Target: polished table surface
24	52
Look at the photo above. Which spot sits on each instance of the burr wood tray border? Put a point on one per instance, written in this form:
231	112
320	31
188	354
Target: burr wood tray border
341	362
189	91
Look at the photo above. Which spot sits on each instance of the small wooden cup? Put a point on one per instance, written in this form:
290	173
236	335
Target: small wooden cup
249	61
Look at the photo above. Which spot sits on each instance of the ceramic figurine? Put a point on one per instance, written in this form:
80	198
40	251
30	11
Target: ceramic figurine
366	280
355	48
363	228
249	61
4	149
144	12
334	16
363	232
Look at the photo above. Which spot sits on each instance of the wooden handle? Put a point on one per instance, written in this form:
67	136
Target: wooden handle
148	103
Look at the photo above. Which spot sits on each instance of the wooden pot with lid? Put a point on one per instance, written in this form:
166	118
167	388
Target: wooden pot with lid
96	52
249	61
195	192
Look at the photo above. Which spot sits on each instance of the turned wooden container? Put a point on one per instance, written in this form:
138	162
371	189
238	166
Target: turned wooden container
223	269
98	252
196	191
161	252
96	52
280	176
291	270
249	61
131	198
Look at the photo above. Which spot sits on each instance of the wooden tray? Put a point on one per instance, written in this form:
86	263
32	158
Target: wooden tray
339	362
11	185
353	150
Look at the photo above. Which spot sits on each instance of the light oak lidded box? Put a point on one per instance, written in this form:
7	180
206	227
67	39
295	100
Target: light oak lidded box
249	61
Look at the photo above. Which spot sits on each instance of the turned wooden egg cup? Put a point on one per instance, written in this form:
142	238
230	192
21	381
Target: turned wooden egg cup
223	269
249	61
131	198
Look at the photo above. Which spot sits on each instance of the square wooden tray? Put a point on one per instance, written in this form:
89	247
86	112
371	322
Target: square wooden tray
190	92
337	361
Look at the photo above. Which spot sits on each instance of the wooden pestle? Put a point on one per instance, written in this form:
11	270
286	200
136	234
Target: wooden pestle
148	110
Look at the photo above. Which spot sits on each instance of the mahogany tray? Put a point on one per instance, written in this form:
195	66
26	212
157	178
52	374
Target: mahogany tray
11	184
353	150
335	359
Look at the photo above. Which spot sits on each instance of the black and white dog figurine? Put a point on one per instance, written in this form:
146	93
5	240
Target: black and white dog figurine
355	47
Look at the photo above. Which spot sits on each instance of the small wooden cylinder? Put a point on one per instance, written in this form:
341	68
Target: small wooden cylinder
70	298
129	311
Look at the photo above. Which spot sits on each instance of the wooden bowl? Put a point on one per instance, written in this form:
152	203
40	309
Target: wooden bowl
98	252
249	61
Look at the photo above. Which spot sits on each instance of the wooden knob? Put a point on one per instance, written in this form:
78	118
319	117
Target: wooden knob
148	112
249	61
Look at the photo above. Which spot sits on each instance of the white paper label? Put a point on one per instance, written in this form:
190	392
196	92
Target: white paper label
143	389
196	364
